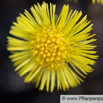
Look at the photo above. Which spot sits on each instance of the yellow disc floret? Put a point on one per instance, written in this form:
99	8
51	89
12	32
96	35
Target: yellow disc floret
51	49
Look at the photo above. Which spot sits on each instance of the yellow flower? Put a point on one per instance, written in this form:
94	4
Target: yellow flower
49	51
93	1
98	1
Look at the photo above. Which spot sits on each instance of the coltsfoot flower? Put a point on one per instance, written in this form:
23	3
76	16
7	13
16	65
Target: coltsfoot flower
93	1
98	1
52	52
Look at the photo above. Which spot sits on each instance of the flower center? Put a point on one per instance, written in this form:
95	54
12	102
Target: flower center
50	50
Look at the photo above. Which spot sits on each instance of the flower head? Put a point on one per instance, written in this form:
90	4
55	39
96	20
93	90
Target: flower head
49	51
93	1
98	1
